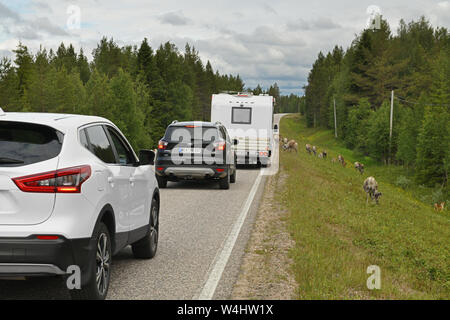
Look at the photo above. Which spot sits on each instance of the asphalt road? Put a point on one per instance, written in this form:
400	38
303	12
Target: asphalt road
198	226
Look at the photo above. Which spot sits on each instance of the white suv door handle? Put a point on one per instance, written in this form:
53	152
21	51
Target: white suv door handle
111	180
132	180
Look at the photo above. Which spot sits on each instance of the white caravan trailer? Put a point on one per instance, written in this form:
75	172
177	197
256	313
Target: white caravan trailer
249	119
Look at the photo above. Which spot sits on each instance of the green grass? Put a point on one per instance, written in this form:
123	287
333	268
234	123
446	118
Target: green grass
338	236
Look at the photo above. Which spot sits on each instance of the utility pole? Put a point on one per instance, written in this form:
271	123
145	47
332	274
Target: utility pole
335	118
390	125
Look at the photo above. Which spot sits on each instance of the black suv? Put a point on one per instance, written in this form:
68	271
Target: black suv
194	151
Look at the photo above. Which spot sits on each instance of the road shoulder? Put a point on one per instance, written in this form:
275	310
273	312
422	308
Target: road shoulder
266	271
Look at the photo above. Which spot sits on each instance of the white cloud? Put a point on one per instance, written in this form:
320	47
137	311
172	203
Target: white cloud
269	9
17	26
263	42
174	18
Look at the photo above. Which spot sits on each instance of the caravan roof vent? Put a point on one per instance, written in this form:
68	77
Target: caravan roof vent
174	121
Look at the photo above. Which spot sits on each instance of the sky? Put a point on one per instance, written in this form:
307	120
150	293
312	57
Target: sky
262	41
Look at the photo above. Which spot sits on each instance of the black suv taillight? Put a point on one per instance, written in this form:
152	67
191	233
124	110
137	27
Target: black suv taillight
219	146
162	145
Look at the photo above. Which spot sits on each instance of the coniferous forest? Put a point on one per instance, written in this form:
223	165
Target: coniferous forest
140	89
414	61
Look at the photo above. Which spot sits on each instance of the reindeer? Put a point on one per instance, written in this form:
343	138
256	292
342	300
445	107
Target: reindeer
314	150
308	148
439	206
370	186
360	167
341	159
291	145
323	155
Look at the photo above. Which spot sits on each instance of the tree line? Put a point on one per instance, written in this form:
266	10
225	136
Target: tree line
415	63
291	103
140	89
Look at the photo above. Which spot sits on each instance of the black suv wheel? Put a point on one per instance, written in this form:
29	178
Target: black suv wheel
162	182
233	176
225	182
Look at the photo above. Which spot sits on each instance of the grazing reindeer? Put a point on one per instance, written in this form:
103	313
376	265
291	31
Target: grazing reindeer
314	150
291	145
370	186
360	167
308	148
439	206
342	161
323	155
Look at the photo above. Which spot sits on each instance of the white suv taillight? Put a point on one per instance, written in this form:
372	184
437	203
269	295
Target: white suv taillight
60	181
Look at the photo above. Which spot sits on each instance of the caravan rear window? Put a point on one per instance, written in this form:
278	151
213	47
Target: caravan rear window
241	115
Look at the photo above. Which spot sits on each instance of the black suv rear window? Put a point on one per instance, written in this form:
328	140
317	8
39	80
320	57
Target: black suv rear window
190	133
27	143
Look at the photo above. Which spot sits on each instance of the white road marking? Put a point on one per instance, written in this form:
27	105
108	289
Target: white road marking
221	259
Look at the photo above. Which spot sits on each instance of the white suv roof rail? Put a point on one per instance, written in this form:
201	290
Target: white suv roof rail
174	121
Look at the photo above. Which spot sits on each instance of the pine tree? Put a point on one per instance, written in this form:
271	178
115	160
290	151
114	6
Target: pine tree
378	133
108	57
434	137
407	139
125	112
98	96
24	62
83	67
9	86
38	96
258	90
357	125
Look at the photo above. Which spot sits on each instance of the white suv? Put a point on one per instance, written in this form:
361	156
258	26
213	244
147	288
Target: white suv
72	194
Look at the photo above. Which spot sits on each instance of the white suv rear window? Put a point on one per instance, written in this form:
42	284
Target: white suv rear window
27	143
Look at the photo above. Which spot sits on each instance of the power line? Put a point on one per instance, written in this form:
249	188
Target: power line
414	102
